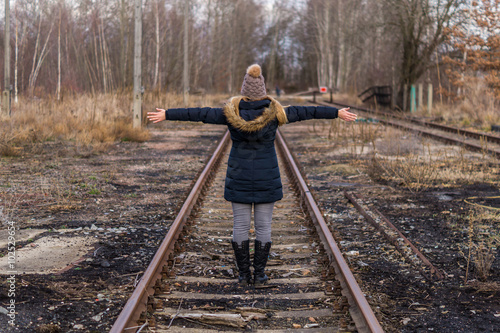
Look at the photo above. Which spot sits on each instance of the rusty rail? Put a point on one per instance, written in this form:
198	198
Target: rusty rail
137	303
383	118
360	310
353	198
133	314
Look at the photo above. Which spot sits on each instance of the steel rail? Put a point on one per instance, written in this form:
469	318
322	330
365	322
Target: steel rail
360	310
137	303
451	129
447	139
354	199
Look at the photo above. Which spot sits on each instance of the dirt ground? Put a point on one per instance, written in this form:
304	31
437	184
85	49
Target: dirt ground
435	219
118	206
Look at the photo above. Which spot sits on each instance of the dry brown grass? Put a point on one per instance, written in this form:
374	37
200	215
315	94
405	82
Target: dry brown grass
420	171
416	164
483	260
89	122
344	98
482	245
477	108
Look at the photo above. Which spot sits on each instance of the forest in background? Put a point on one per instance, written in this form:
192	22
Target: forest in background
82	46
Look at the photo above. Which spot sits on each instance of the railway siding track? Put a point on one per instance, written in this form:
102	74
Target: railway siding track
474	141
395	236
190	286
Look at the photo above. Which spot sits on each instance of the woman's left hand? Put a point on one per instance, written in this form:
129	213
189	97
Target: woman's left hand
157	116
344	114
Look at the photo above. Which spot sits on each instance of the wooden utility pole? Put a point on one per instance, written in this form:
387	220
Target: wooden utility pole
185	76
137	65
6	91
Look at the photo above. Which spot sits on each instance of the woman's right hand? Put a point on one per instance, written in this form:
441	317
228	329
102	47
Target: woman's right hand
157	116
344	114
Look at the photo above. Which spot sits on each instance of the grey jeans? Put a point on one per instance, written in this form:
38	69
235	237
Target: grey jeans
263	214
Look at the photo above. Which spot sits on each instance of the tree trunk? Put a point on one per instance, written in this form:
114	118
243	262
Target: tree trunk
123	45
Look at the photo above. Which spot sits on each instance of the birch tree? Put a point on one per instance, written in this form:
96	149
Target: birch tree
38	55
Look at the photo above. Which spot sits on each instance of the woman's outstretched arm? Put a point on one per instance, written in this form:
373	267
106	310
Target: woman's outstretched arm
206	115
299	113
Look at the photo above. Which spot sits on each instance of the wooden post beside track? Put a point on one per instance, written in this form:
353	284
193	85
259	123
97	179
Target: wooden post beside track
413	101
420	96
405	97
429	98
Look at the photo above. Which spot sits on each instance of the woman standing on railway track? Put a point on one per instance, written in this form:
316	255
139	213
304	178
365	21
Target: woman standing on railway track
253	176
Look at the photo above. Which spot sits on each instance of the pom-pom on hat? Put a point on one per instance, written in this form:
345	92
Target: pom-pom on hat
253	85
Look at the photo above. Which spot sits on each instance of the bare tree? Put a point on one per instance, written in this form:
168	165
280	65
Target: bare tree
38	58
422	26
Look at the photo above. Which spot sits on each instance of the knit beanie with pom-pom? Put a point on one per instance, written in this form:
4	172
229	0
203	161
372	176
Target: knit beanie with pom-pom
253	85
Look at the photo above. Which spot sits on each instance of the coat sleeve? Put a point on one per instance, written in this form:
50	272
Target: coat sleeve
299	113
205	115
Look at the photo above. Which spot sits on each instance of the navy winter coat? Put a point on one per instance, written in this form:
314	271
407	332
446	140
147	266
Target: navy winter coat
253	175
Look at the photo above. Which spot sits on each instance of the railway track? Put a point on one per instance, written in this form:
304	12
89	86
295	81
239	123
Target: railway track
190	285
482	142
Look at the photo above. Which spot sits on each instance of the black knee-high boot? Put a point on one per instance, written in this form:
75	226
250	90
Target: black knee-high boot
259	261
242	254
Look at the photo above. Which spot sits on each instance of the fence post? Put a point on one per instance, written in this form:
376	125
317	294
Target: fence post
413	101
405	97
429	98
420	96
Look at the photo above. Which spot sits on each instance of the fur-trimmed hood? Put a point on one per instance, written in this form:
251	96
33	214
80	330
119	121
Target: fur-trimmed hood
274	111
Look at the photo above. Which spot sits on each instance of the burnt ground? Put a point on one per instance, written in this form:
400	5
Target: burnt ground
126	199
123	200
